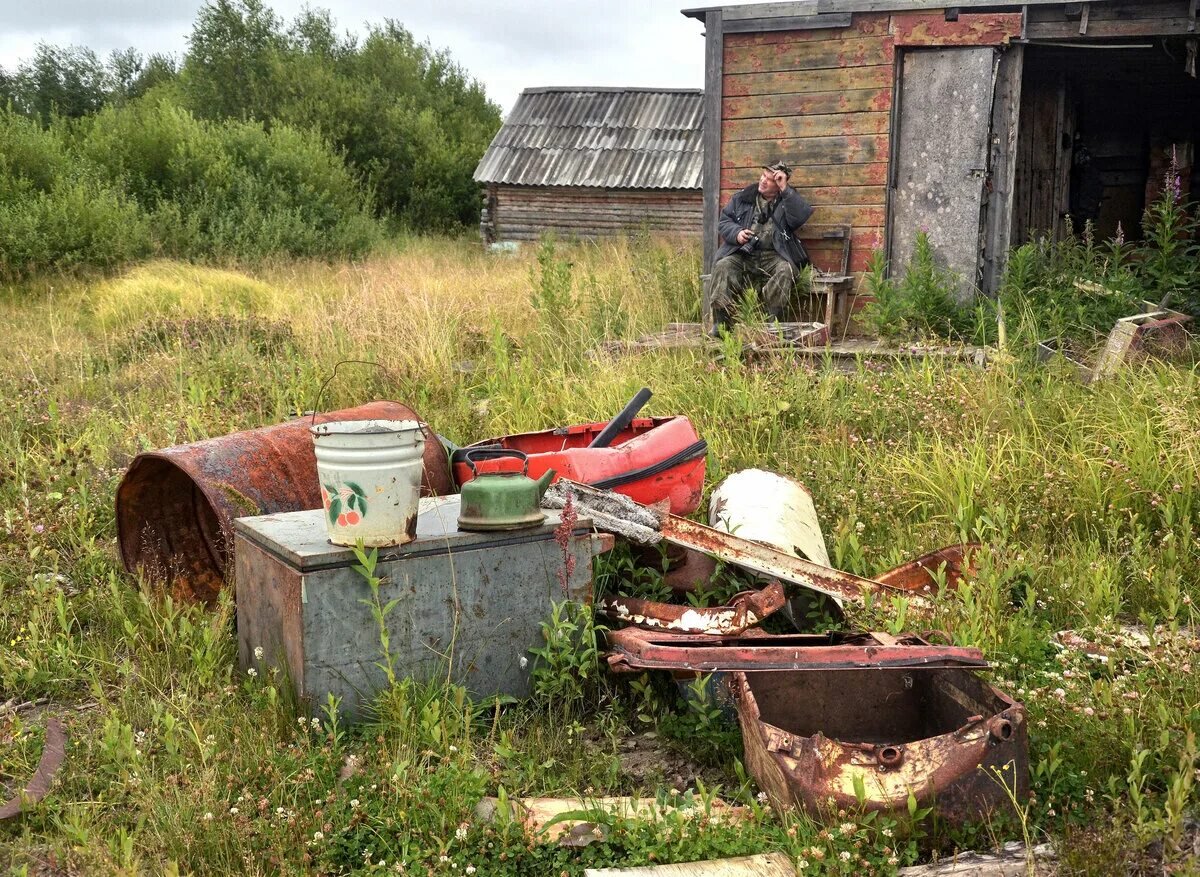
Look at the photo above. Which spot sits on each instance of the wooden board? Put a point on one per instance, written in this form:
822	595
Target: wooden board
765	106
860	26
810	55
932	29
812	176
855	149
802	81
1100	30
907	5
790	127
766	865
526	212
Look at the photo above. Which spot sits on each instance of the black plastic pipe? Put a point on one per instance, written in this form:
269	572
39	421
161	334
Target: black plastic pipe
622	420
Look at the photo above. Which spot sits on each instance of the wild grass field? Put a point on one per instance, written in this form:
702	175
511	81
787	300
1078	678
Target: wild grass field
1085	498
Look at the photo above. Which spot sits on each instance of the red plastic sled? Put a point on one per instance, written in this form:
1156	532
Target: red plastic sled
653	459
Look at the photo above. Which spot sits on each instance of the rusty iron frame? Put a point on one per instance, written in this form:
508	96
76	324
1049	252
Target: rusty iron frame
632	649
744	611
966	773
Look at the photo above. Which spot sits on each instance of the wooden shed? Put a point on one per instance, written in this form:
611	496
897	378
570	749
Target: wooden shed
983	123
590	162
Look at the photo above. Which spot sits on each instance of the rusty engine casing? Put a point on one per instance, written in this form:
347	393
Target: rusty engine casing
945	735
176	506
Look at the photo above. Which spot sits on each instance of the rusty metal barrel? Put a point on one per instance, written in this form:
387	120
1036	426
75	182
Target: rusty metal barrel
176	506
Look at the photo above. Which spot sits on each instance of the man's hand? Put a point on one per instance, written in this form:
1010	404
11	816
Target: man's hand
781	180
744	235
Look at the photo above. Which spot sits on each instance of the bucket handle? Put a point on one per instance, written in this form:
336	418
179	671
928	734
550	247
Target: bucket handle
333	374
495	454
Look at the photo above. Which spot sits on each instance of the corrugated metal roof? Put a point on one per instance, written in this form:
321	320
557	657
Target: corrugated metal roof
615	138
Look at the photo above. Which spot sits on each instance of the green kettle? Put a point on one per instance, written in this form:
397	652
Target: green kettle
501	500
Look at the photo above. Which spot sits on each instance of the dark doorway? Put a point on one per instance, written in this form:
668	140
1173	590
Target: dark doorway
1099	125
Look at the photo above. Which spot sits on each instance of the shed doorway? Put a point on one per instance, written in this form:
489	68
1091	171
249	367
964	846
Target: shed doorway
1099	125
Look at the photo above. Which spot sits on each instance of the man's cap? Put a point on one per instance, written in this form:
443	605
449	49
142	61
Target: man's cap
779	166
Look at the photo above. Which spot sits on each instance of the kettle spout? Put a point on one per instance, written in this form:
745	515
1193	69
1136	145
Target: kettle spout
544	482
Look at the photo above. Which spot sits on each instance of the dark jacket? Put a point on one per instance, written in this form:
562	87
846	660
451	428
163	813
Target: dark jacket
791	212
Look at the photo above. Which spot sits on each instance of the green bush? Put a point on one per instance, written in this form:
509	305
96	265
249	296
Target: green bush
77	222
148	177
921	302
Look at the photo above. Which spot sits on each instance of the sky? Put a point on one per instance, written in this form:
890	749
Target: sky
508	46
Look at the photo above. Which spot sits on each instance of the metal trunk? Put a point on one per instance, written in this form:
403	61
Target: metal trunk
469	606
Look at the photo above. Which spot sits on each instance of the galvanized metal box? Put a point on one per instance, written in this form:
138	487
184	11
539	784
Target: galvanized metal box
469	605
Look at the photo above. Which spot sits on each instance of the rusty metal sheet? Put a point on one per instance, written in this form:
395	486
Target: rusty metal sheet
971	29
54	752
633	649
819	740
743	611
176	506
920	575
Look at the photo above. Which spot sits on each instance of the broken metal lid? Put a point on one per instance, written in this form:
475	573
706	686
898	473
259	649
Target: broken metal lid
634	649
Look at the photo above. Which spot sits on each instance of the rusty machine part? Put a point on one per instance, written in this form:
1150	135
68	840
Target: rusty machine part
634	650
54	752
820	739
744	610
921	574
176	506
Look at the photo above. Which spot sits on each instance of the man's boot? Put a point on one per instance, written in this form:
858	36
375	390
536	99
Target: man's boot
722	322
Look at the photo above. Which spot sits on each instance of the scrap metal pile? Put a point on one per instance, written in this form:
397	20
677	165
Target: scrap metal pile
850	718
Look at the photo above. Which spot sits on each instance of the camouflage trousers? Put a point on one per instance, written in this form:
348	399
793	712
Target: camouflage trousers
770	273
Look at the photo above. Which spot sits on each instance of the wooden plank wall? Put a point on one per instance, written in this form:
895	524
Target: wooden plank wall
524	213
820	100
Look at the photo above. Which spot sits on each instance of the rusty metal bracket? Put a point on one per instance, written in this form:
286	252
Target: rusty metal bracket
743	611
772	562
632	649
54	752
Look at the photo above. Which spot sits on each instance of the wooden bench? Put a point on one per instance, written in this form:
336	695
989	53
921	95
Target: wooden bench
837	287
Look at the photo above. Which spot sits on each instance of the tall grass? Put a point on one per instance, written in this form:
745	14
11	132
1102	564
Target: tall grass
1084	497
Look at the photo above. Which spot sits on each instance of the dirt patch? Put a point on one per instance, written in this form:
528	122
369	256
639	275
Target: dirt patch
647	761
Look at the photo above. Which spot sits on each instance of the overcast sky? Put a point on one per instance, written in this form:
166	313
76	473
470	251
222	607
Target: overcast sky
507	46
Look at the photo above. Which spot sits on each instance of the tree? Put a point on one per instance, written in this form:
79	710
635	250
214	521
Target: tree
68	81
228	69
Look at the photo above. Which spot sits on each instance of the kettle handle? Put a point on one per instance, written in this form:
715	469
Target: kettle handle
493	454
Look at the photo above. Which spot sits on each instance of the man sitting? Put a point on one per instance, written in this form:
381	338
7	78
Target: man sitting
759	247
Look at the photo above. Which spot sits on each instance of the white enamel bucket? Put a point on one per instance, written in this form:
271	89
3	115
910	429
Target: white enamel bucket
370	473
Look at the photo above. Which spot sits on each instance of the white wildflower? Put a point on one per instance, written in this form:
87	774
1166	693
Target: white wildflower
258	653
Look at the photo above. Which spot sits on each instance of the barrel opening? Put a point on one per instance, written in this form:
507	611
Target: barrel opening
168	529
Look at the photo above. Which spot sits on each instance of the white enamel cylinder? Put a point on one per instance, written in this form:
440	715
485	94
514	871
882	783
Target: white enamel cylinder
370	473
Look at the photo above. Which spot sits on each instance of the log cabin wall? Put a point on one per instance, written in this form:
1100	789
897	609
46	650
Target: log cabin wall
821	100
525	213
